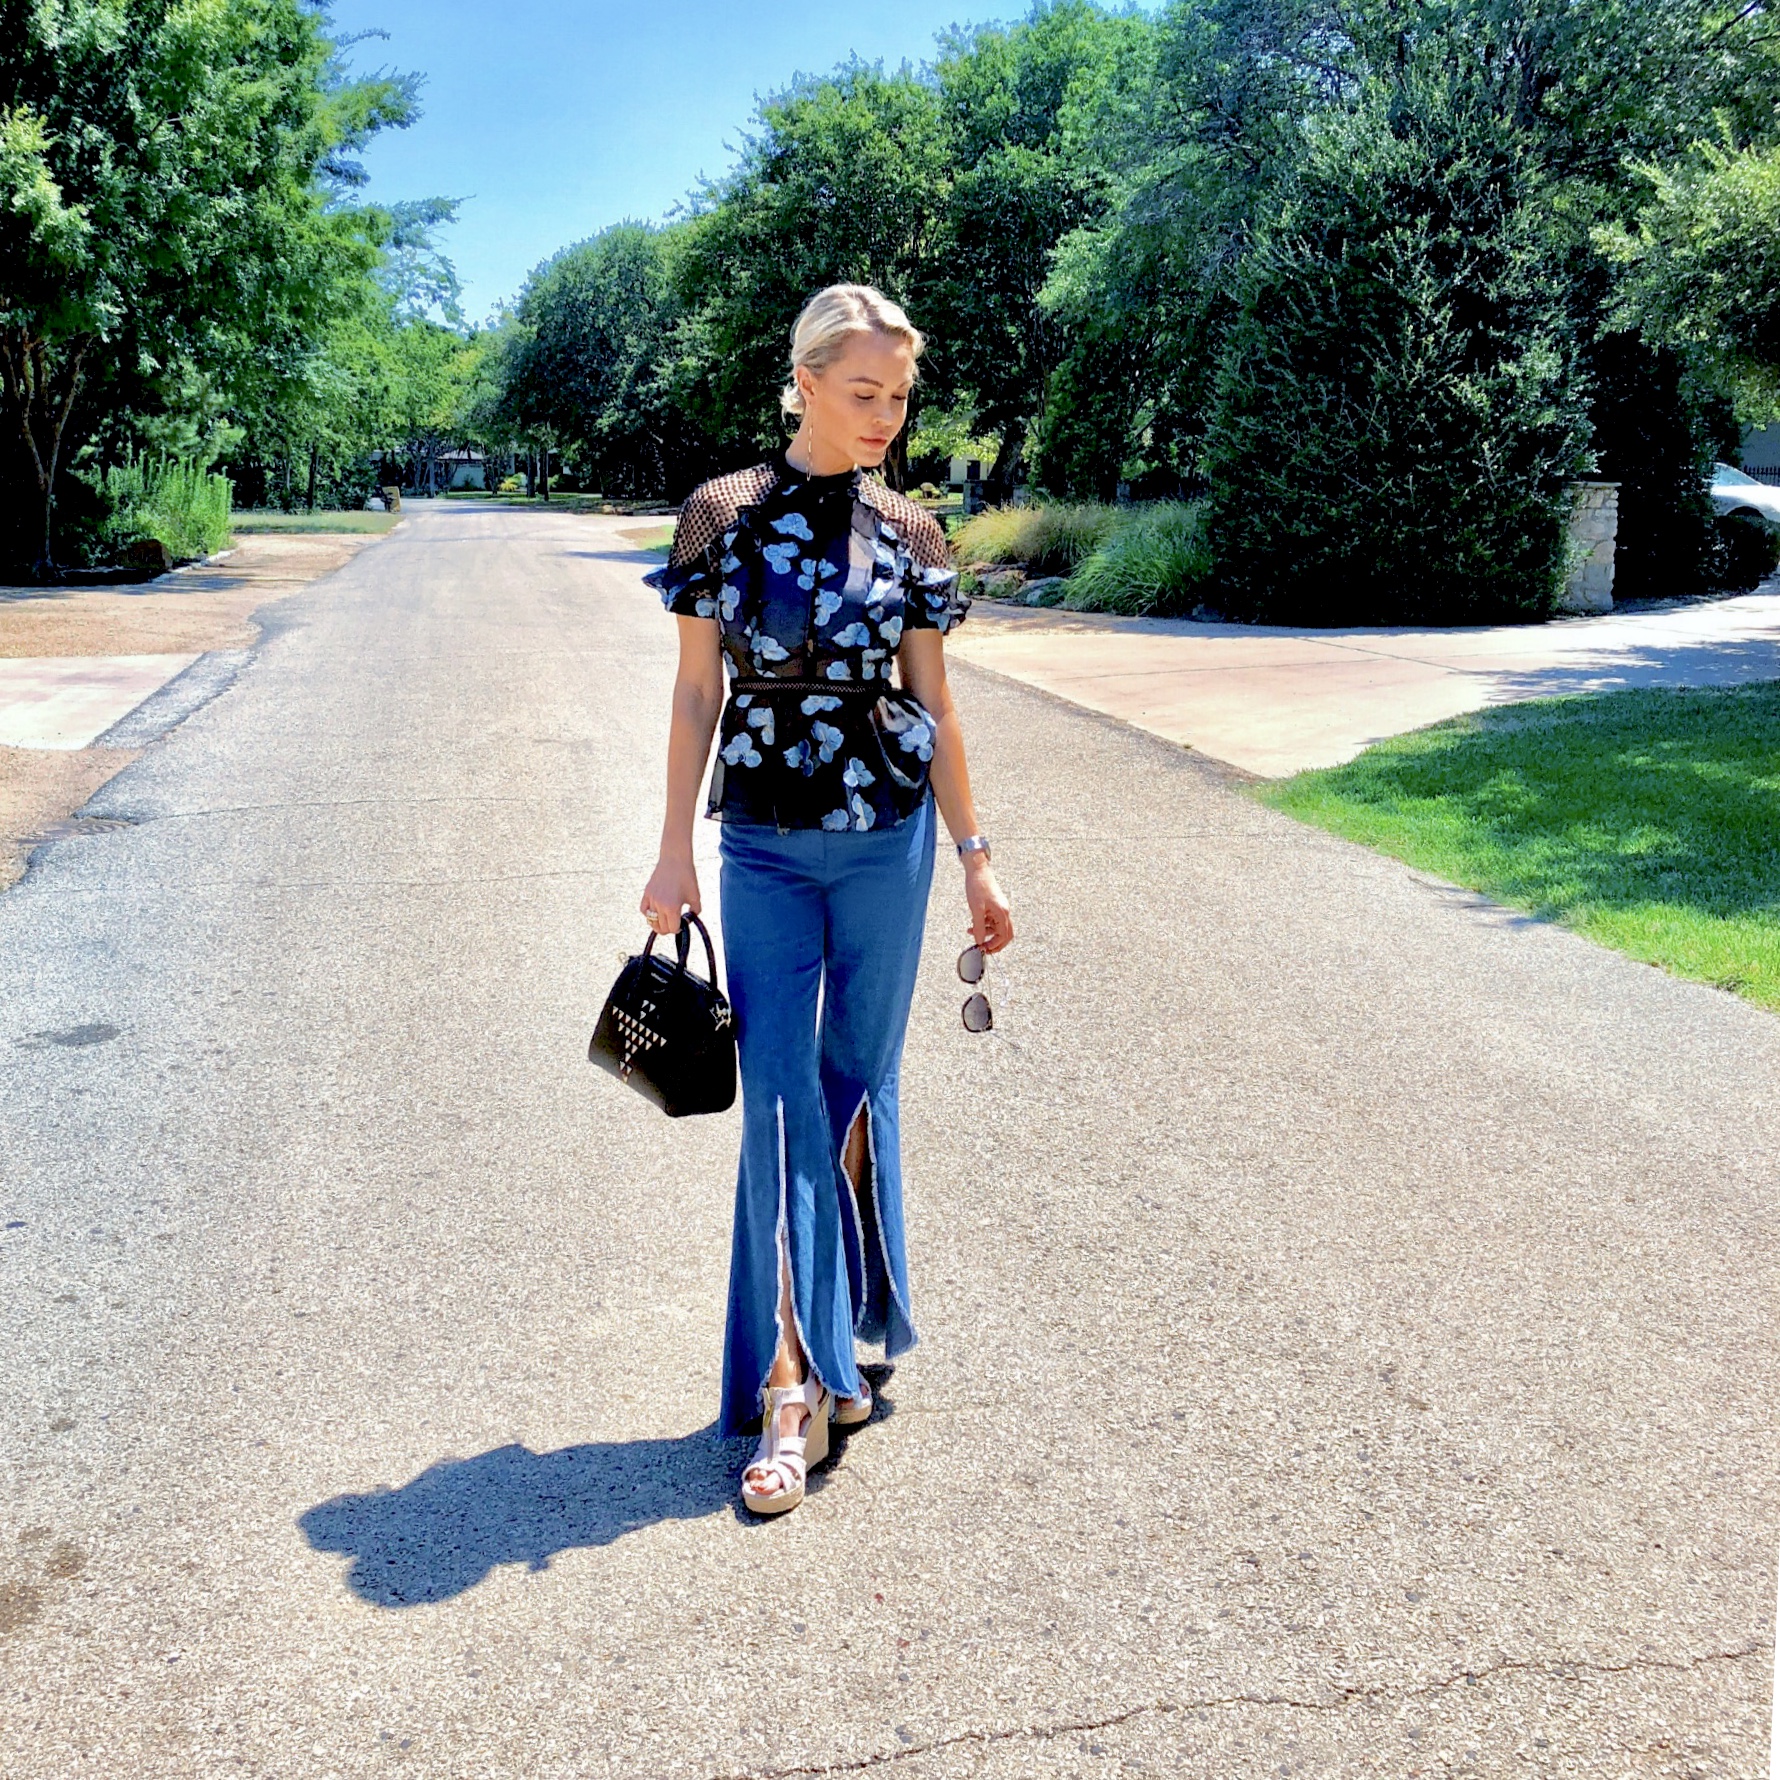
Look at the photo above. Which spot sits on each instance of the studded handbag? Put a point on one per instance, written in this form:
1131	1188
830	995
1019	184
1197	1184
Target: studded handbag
668	1032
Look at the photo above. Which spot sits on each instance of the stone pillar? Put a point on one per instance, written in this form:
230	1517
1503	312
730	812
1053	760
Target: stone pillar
1594	526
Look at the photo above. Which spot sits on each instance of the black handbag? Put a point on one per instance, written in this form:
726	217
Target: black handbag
668	1033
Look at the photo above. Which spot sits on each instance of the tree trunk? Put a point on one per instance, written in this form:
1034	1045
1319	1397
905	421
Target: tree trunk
896	462
544	471
314	452
38	409
1007	460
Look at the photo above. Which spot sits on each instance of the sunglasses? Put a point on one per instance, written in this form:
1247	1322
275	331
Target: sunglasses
972	962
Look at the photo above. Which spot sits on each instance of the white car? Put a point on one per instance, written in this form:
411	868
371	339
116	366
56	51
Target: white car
1733	492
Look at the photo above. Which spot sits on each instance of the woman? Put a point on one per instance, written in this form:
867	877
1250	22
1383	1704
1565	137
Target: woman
806	579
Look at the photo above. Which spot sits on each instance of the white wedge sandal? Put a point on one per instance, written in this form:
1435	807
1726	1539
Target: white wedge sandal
784	1460
854	1412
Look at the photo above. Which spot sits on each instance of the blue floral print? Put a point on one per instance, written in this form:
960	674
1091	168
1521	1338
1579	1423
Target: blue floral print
814	579
918	740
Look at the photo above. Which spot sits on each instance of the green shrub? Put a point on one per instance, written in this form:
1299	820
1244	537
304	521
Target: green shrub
1084	435
1748	552
185	507
1654	435
1399	401
1048	540
1154	562
84	527
166	500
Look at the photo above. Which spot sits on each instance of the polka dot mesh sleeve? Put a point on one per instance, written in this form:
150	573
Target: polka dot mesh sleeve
930	580
692	575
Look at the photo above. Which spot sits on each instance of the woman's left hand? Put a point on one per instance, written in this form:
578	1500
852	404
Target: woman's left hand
991	921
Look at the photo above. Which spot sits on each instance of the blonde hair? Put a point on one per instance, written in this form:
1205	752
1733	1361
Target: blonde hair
829	319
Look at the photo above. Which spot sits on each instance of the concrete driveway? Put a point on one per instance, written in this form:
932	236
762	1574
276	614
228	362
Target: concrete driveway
67	702
1273	702
1348	1310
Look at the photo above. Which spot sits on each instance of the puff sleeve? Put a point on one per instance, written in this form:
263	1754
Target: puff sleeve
932	599
692	580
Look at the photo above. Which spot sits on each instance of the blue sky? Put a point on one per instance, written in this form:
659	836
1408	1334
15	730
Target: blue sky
553	120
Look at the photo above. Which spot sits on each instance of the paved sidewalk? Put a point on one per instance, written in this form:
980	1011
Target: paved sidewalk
69	701
1348	1310
1274	702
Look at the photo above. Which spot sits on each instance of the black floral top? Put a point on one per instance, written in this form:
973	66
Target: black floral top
813	580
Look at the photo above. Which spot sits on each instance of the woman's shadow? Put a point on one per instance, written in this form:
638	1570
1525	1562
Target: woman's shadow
441	1534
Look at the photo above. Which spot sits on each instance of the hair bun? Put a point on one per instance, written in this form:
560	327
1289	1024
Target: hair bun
829	319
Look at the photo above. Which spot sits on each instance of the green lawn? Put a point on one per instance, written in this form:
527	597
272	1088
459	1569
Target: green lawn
245	523
1649	821
656	539
564	503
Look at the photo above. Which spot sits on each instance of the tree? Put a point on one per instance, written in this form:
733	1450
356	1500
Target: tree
948	189
1702	263
842	183
588	362
416	271
1384	272
1026	174
1400	406
1588	92
360	386
1193	140
163	218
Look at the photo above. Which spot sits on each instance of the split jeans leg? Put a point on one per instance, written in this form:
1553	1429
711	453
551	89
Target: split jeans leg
822	936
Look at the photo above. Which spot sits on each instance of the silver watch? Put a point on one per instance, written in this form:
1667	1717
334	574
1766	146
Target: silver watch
973	843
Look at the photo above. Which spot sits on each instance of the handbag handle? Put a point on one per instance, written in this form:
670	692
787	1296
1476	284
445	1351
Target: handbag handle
683	944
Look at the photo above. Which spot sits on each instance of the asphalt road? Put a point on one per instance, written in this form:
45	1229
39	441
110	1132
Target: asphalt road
1348	1309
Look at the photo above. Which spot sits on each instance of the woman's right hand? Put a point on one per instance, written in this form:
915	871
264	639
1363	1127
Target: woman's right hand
672	886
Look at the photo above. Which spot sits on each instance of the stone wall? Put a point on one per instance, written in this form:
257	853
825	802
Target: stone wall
1594	526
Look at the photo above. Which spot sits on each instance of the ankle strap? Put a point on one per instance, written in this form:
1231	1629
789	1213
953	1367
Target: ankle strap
808	1394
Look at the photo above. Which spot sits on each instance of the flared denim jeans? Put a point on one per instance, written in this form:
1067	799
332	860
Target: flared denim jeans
822	936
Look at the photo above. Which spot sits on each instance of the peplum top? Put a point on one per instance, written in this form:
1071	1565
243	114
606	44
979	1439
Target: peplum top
813	580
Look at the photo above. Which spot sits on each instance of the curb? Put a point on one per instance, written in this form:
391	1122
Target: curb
189	691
